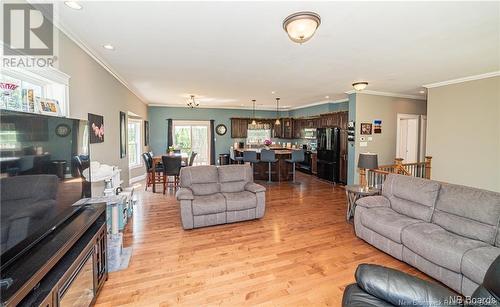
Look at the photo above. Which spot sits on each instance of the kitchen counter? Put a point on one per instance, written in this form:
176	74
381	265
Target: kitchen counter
280	171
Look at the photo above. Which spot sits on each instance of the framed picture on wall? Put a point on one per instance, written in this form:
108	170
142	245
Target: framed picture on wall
366	129
146	133
123	135
96	124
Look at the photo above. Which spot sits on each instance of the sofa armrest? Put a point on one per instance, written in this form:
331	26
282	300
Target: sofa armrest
184	194
254	188
373	202
401	289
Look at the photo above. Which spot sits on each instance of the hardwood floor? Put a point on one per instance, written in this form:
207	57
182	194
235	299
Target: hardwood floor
302	252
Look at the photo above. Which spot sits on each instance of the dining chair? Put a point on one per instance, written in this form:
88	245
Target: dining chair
232	156
152	177
191	158
81	165
171	168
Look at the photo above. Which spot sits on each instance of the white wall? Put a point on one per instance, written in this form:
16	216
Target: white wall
370	107
463	135
94	90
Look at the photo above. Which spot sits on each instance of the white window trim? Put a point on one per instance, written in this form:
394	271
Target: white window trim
139	163
53	82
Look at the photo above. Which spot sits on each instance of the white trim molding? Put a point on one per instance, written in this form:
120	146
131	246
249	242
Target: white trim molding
464	79
250	108
135	179
388	94
61	27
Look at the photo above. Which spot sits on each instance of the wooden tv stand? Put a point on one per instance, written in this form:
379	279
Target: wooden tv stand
68	265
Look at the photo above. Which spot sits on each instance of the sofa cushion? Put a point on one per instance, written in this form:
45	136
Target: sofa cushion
437	245
209	204
477	261
469	212
411	196
386	222
240	200
202	180
233	178
373	202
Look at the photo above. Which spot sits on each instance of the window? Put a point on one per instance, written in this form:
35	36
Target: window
258	136
134	143
193	136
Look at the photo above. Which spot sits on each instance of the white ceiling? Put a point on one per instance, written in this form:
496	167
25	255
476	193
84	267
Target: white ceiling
228	53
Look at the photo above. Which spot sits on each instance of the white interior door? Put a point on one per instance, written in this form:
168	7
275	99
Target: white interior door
193	136
423	134
407	146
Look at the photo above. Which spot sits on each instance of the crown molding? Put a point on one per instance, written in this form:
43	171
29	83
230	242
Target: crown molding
250	108
387	94
73	37
464	79
216	107
319	103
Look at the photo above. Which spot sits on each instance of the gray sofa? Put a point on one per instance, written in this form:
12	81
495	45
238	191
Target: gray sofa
211	195
448	231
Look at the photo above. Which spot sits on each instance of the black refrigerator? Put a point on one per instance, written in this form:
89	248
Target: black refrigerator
328	140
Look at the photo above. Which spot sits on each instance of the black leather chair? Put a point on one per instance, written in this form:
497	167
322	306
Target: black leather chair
148	163
81	163
171	168
380	286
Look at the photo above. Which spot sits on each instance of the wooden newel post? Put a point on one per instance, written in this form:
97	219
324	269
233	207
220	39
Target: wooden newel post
362	177
428	167
398	162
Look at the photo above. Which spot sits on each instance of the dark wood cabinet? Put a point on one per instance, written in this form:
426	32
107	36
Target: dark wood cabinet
239	127
314	163
287	124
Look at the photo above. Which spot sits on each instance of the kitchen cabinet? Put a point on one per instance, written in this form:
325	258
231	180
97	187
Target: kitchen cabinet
314	163
239	127
284	130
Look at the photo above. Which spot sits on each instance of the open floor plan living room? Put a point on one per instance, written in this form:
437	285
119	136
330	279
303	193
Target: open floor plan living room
248	153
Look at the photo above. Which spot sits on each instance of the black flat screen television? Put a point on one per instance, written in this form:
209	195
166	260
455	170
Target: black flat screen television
42	159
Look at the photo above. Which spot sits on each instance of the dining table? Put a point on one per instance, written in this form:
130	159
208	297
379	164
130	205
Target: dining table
158	159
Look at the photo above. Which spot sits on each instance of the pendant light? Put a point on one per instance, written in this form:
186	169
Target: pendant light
277	122
254	123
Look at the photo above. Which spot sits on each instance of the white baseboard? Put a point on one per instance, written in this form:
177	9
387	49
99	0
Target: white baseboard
138	178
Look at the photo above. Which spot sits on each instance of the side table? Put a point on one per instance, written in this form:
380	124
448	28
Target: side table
355	192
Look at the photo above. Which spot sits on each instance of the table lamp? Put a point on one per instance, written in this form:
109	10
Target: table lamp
366	161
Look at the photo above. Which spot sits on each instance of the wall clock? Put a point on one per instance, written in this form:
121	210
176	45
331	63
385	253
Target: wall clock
63	130
221	129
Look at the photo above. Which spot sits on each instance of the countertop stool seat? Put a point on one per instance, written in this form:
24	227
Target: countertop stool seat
269	156
251	157
297	157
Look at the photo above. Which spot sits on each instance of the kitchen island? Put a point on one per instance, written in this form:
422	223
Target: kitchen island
280	170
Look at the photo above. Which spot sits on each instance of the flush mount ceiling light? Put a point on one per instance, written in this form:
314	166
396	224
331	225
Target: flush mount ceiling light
108	47
73	4
277	122
301	26
192	103
359	86
421	92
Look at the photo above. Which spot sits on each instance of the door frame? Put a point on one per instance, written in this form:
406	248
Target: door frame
401	116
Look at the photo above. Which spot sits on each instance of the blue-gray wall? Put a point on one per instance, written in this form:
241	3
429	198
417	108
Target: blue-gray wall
158	116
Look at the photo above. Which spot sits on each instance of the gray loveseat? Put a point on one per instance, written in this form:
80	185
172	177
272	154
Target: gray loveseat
448	231
211	195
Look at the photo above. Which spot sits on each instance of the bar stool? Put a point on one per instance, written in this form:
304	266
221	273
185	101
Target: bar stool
233	157
297	157
250	156
269	156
